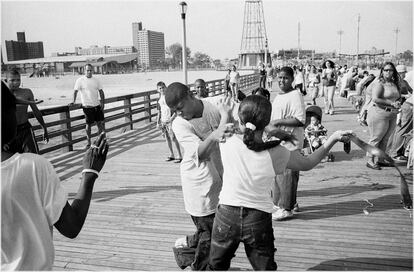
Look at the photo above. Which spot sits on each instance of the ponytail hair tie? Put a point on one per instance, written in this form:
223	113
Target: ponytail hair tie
250	126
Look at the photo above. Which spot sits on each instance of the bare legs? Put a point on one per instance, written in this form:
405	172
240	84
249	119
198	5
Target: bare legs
88	129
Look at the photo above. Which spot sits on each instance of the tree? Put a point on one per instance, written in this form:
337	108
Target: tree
175	53
217	63
201	60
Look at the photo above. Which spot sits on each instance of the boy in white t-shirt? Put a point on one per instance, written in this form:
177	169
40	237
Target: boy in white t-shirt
90	89
33	200
288	113
198	127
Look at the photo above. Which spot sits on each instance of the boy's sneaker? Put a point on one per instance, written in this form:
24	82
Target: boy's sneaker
184	256
296	207
181	242
282	214
275	208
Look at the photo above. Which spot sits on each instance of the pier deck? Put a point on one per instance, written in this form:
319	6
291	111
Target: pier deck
137	211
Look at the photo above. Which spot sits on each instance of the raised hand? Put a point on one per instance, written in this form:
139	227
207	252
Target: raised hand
281	134
223	132
225	106
95	156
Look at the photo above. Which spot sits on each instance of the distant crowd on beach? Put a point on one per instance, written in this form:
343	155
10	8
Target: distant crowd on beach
240	155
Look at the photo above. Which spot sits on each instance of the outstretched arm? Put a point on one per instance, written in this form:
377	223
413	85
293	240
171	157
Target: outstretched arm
288	122
73	215
304	163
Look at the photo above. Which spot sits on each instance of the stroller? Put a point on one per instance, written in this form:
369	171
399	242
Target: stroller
313	110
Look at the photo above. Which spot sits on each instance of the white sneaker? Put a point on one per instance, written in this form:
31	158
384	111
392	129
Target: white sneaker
275	208
282	214
181	242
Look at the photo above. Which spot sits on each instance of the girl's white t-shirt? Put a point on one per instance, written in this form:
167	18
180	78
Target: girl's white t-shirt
248	175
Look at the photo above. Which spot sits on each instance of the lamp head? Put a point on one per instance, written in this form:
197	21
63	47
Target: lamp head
183	8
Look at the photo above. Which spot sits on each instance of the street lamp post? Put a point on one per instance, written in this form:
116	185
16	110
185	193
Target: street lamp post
396	40
340	33
183	7
357	53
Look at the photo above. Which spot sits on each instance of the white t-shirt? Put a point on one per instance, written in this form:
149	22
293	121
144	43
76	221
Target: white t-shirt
234	77
298	78
32	201
288	105
201	180
89	90
165	111
248	175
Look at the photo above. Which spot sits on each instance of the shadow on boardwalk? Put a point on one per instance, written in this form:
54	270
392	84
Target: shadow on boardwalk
357	264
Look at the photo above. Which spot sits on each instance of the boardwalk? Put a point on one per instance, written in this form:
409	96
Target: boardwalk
137	211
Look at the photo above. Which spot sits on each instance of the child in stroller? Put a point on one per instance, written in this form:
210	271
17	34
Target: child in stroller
315	132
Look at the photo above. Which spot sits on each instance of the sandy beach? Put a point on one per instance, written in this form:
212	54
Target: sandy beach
59	90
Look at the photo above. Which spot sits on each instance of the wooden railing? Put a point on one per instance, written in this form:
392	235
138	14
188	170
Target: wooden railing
66	124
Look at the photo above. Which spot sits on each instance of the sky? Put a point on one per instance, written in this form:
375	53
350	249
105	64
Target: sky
213	27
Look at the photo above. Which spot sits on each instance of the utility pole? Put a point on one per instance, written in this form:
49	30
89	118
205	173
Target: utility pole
340	33
357	53
298	40
396	30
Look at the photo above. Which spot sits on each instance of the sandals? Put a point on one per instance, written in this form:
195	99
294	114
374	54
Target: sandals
174	159
384	164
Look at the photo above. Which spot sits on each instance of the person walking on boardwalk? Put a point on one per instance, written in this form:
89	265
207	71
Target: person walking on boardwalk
234	83
250	165
33	199
382	115
25	140
90	89
164	121
262	75
269	76
329	78
199	126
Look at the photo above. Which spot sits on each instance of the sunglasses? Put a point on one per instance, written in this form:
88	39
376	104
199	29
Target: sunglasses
388	70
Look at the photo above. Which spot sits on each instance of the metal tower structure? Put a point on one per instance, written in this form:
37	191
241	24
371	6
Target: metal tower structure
254	44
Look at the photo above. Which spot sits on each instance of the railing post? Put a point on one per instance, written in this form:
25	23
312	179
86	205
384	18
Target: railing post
147	107
66	126
128	112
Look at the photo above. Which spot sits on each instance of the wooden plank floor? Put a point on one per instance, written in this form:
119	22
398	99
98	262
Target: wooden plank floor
137	211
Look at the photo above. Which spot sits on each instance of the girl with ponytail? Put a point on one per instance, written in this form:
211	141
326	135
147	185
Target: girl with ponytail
250	166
